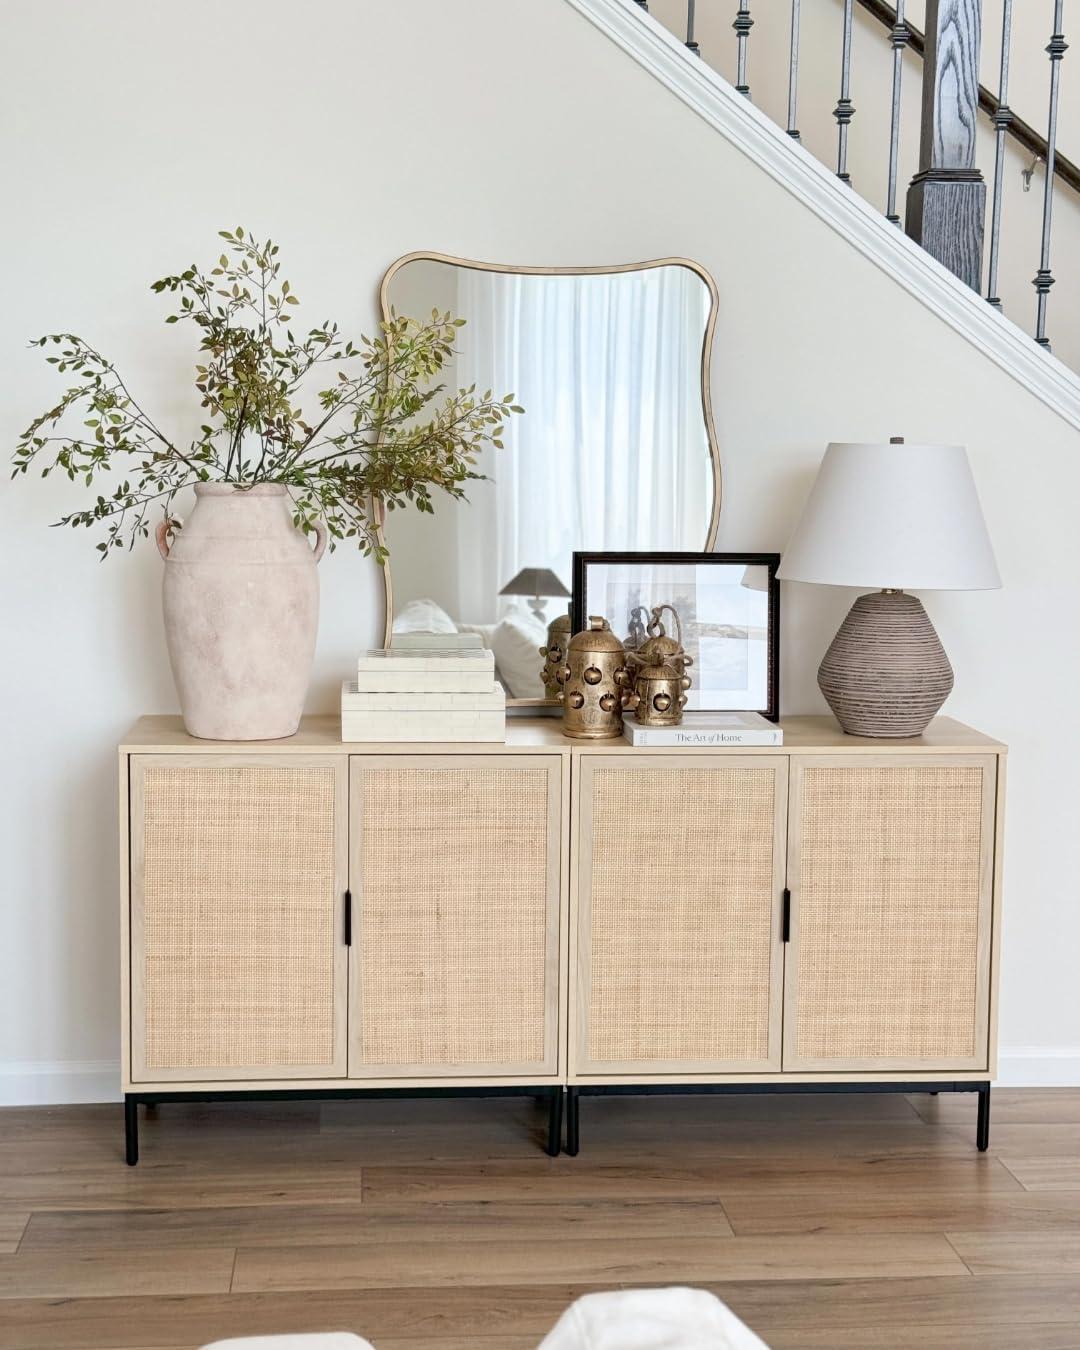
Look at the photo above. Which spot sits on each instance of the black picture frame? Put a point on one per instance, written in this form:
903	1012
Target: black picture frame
580	608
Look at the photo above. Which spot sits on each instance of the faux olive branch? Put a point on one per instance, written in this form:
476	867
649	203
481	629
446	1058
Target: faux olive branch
389	431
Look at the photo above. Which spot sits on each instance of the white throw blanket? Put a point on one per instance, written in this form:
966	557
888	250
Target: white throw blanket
631	1319
650	1319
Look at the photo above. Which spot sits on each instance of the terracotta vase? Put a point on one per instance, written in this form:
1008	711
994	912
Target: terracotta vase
241	601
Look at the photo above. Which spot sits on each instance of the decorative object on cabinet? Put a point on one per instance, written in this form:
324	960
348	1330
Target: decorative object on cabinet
658	674
241	603
536	582
554	653
823	915
895	516
424	695
704	731
729	606
264	478
436	642
594	681
436	716
616	449
425	670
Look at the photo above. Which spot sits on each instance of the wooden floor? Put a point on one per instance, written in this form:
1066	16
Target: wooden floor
828	1222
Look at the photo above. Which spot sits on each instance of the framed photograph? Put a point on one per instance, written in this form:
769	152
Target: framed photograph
729	607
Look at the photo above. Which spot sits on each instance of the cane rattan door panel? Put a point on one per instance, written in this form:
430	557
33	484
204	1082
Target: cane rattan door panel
680	889
891	879
238	968
455	867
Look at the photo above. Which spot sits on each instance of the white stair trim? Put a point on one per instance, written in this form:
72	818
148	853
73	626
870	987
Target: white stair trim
813	184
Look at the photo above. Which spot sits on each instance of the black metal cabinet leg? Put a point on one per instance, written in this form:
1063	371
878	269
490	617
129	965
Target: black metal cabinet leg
982	1128
572	1133
555	1115
131	1130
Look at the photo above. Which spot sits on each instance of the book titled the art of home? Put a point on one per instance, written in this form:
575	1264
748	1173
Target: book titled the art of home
703	730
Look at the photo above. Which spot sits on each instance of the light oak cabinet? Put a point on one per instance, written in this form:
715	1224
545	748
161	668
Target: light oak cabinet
716	905
679	913
307	915
891	871
456	884
238	866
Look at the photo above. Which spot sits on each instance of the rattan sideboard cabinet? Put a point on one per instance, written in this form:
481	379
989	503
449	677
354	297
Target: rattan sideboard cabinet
546	917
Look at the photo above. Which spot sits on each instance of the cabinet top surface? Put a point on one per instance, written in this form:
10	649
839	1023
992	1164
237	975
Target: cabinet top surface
322	733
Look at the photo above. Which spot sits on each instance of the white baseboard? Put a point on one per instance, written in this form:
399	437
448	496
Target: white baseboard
1038	1066
59	1082
62	1082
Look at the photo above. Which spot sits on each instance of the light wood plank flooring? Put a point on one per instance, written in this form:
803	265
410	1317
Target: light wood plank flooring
827	1223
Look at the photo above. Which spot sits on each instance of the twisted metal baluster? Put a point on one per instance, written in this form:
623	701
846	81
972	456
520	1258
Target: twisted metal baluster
742	25
1044	277
844	110
793	72
1002	117
899	36
690	43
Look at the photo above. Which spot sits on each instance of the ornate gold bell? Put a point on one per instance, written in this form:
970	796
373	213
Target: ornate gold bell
554	654
592	682
637	629
659	675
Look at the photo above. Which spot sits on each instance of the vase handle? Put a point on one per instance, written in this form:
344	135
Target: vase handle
321	537
166	527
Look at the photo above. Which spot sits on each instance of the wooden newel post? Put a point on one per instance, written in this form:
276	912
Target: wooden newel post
946	202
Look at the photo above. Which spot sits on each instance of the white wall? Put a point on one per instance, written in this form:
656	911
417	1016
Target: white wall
497	129
868	138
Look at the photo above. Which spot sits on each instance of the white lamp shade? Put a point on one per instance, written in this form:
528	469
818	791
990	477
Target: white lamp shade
898	516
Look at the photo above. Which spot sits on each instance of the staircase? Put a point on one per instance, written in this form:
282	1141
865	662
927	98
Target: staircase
892	104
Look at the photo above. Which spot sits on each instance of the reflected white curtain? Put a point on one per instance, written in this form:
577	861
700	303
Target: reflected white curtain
612	443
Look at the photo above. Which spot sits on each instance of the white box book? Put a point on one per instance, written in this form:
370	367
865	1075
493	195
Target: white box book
376	725
708	729
491	698
392	681
466	659
425	642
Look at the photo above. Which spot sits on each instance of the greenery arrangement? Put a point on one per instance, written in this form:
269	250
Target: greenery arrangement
382	431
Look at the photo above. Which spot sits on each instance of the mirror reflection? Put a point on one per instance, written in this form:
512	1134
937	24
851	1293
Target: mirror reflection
612	452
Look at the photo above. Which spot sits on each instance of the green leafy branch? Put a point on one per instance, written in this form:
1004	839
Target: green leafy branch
385	429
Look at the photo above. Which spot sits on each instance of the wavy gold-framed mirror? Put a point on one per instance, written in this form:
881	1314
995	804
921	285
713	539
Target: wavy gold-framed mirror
616	448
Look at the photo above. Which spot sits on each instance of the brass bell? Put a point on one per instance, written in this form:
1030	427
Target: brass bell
637	629
591	681
659	675
658	649
554	653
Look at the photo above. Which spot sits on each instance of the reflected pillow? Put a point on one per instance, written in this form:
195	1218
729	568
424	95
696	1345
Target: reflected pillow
423	616
516	643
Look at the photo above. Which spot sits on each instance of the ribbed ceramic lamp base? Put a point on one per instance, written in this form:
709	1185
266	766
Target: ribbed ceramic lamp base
886	672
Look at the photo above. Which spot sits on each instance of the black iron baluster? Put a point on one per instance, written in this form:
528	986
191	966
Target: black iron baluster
899	36
691	45
1044	279
1002	117
844	110
742	25
793	73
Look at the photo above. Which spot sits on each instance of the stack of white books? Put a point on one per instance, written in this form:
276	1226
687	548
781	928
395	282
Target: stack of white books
419	693
708	729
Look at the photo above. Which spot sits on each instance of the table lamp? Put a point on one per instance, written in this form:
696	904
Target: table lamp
535	582
896	517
